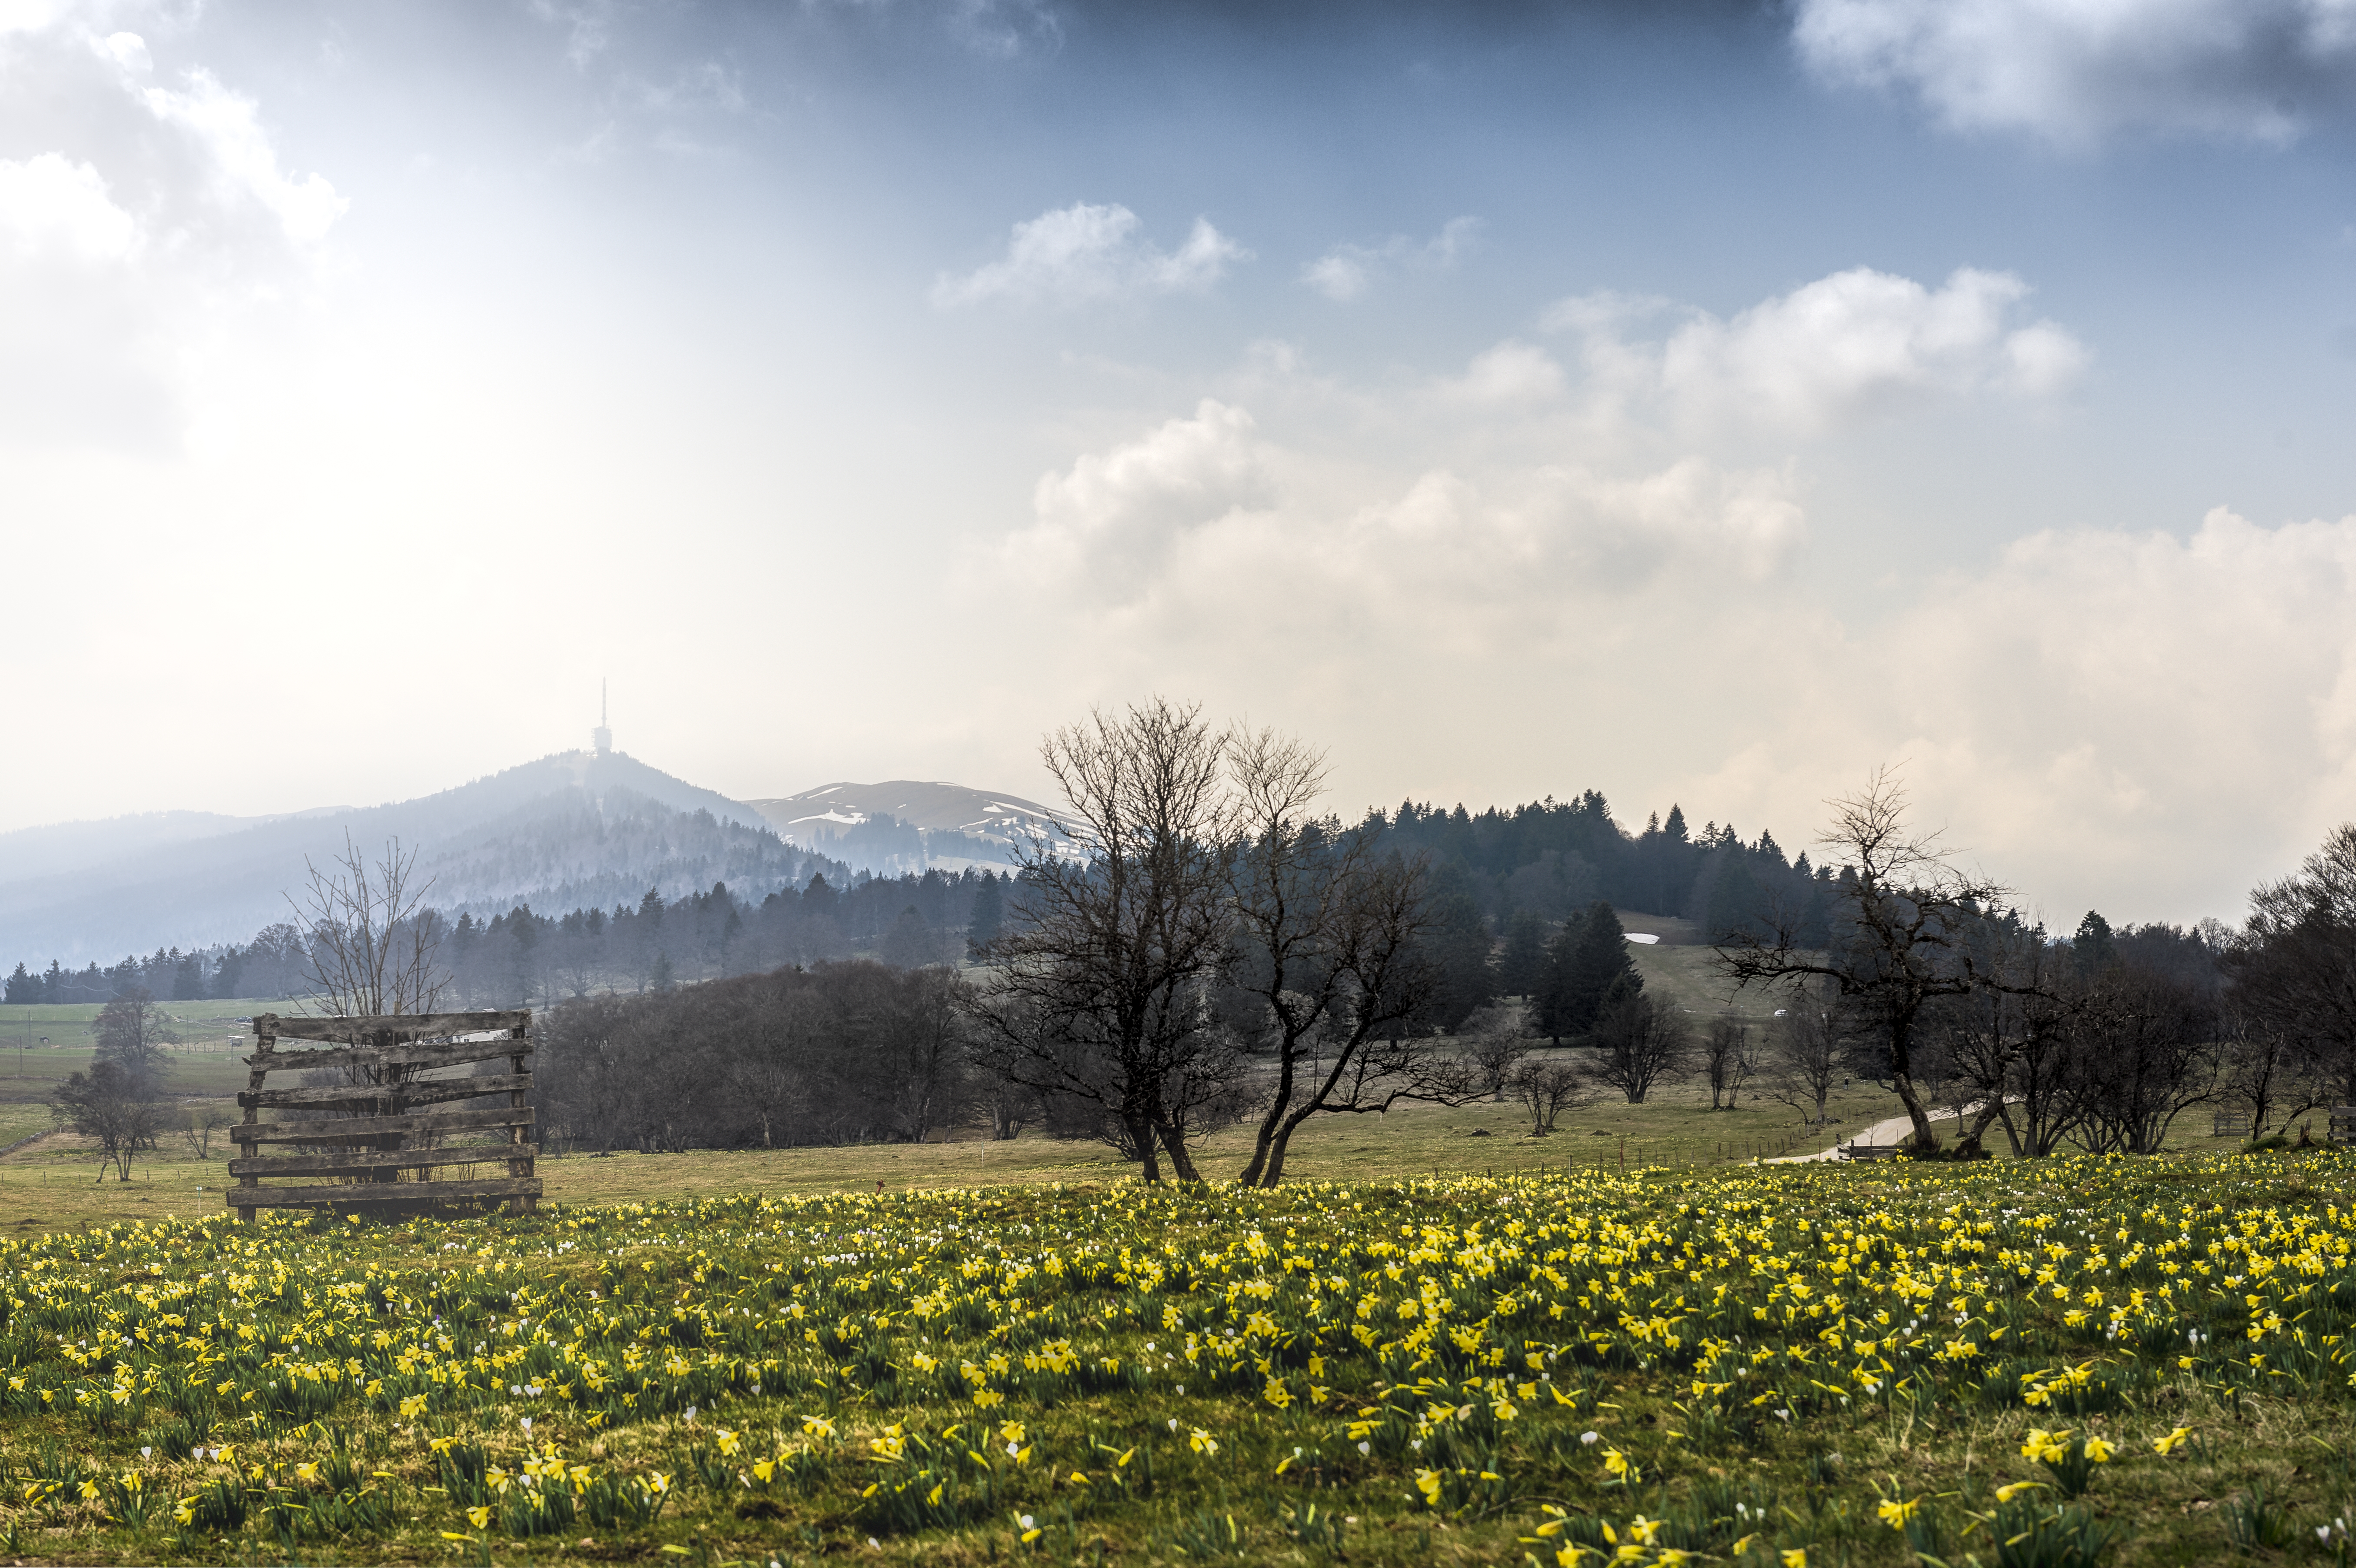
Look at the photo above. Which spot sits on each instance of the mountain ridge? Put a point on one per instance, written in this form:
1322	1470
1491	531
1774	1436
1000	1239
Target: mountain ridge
913	825
165	878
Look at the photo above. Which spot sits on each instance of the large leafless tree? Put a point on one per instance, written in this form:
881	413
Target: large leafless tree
2293	968
1098	988
1327	946
372	939
1805	1051
1729	1059
1639	1044
1902	932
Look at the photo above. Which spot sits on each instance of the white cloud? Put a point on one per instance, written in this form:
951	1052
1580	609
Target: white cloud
143	228
228	126
1844	349
2074	70
2093	694
1113	517
1349	272
1084	254
53	205
1594	618
1208	508
1512	373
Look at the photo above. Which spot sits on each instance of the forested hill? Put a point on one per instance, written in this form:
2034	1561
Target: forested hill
575	828
544	874
1551	858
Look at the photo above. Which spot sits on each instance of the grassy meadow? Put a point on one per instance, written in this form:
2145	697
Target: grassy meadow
1444	1340
2073	1361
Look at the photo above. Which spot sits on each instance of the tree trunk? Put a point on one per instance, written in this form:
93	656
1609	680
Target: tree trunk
1926	1142
1141	1137
1182	1165
1265	1142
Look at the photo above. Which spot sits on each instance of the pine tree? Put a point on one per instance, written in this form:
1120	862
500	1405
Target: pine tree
2093	947
989	913
1460	944
1552	996
1600	973
1523	962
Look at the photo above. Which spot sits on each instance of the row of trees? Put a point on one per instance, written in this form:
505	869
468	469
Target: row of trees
1932	980
524	958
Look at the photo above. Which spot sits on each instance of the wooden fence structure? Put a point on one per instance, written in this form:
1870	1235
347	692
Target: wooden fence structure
364	1142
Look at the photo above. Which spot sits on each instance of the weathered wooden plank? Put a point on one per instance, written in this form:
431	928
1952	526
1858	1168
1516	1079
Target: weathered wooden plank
412	1192
356	1127
389	1056
425	1092
411	1024
379	1159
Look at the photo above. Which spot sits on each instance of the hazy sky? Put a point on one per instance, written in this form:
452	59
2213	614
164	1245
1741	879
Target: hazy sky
1696	402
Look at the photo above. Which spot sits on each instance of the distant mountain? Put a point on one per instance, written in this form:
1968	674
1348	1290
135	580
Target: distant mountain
575	828
68	846
905	824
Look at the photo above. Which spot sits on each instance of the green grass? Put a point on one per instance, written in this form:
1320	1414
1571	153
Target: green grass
1738	1363
206	1061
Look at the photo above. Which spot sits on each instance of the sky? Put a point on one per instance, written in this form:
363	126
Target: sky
1699	402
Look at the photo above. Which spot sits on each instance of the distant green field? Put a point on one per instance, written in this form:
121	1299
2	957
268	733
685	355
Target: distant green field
205	1063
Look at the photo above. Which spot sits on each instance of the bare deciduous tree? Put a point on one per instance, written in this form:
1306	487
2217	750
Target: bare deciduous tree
1804	1053
132	1032
1729	1059
106	1104
1639	1044
1098	989
1326	945
2293	967
1546	1087
371	939
2263	1068
2145	1052
1903	929
205	1118
1493	1041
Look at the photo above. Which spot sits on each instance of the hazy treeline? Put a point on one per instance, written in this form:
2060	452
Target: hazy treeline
1540	863
526	958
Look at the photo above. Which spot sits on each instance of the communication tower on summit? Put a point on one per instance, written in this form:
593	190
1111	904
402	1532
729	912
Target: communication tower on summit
601	737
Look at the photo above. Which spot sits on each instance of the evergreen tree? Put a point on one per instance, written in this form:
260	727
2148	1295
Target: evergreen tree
1553	994
1460	946
818	898
1599	972
989	913
24	987
1523	961
2092	946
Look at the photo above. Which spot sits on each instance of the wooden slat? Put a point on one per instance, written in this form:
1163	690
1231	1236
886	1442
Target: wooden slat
379	1160
413	1192
355	1127
389	1056
412	1025
427	1091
